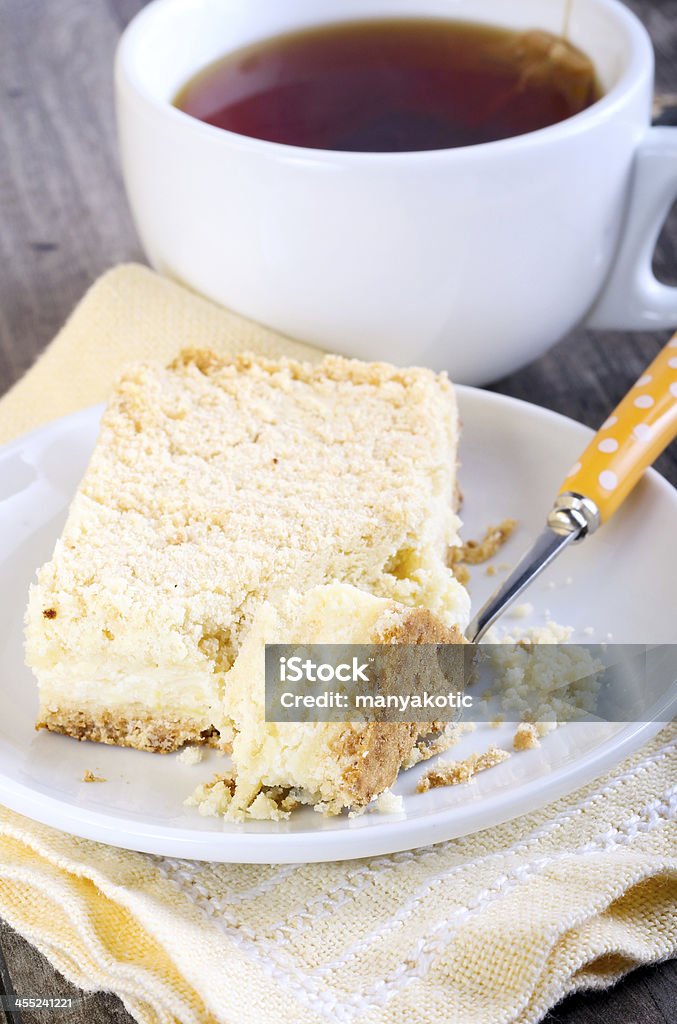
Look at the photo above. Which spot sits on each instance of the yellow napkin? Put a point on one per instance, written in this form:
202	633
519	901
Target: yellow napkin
496	927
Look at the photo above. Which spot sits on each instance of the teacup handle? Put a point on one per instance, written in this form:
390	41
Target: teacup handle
633	297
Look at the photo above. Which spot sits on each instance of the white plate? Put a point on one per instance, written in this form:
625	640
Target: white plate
622	581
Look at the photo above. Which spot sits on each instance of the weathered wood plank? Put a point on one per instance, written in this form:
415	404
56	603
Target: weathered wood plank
648	996
65	218
6	986
33	975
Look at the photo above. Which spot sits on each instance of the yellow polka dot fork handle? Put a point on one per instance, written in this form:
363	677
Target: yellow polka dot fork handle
630	440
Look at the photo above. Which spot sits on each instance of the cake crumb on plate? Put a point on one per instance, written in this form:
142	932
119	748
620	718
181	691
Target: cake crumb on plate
389	802
191	755
91	777
521	611
526	737
452	773
472	552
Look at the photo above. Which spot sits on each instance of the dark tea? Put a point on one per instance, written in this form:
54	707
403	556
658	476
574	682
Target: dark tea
393	86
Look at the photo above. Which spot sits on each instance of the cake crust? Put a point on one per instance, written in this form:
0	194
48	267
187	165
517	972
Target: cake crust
375	754
141	731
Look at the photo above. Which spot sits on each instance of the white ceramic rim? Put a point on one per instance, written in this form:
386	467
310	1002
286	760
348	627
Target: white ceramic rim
641	58
302	847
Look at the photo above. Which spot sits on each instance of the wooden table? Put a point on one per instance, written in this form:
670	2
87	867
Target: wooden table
65	219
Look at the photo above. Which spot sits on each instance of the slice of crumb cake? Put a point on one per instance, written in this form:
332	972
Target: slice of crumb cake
217	485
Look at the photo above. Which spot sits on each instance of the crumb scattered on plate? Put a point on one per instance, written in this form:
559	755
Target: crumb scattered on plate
542	678
214	799
388	802
521	611
191	755
473	551
461	573
526	737
91	777
452	773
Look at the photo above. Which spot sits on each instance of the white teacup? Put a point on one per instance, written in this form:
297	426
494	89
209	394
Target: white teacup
473	260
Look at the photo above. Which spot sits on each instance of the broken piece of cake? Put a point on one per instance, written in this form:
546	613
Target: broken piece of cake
329	765
234	502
